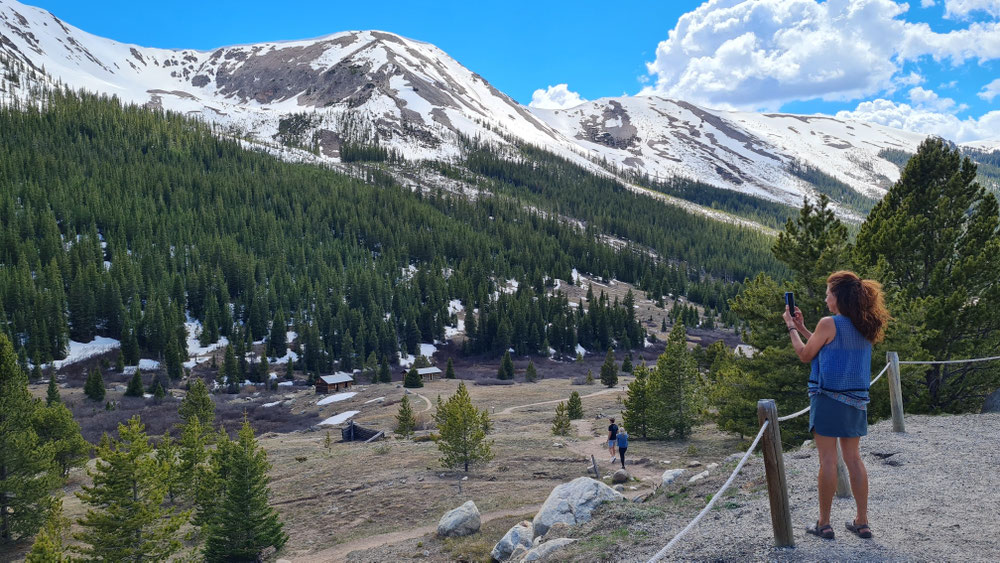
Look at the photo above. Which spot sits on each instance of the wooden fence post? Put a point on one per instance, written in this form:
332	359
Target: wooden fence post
895	392
843	478
774	467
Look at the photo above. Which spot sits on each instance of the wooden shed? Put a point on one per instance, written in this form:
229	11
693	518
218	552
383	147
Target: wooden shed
335	382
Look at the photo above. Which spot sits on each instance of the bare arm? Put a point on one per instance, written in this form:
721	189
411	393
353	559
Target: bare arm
826	329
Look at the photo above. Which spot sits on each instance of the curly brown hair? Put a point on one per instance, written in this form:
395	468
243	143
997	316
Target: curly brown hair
862	302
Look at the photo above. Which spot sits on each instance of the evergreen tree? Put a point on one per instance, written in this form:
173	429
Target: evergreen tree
48	546
197	403
463	429
449	372
413	379
405	422
609	370
574	408
167	452
636	414
243	523
173	360
627	363
134	388
229	372
933	242
560	423
530	374
506	370
191	457
36	372
94	388
27	471
289	371
590	378
126	501
52	393
671	389
56	429
130	345
120	362
384	375
277	343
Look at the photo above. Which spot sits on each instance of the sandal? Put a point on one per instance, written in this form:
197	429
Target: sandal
825	532
860	530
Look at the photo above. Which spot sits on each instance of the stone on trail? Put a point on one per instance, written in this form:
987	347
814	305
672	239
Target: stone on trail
670	475
543	550
694	463
573	503
620	476
519	535
620	488
698	477
461	521
711	466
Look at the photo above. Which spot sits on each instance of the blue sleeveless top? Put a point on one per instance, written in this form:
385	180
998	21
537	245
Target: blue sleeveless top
842	370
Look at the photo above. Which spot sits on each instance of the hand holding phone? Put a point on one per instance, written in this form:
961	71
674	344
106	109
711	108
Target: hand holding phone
790	301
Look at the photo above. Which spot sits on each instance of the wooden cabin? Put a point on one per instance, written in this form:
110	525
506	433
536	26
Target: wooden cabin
336	382
429	373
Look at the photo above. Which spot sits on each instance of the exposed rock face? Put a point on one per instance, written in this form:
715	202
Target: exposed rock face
620	476
573	503
461	521
519	535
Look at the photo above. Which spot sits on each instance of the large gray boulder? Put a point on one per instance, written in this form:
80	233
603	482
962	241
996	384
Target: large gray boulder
670	475
520	534
461	521
620	476
992	403
572	503
543	550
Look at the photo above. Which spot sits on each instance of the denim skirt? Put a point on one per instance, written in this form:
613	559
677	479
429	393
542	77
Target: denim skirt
831	418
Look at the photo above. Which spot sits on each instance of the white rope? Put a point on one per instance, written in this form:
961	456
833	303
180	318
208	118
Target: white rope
805	410
793	415
659	554
913	362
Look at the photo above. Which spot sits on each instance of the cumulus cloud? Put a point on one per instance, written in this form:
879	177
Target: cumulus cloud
927	3
555	97
923	98
925	120
990	91
760	54
962	8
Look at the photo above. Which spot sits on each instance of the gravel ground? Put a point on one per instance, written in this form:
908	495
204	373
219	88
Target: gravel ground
934	496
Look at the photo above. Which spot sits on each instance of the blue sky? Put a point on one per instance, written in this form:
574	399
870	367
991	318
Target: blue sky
930	65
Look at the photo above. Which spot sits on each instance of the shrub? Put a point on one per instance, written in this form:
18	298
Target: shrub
494	381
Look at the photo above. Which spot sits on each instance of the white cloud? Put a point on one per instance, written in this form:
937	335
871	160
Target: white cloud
990	91
911	79
759	54
555	97
923	98
962	8
927	3
926	120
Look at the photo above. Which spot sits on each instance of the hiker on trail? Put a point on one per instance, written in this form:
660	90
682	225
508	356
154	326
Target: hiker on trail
622	444
840	351
612	439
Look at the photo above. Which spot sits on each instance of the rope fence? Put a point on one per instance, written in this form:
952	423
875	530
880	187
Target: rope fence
659	554
773	461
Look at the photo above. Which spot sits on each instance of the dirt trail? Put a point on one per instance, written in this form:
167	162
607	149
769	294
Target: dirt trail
510	410
339	553
426	400
598	447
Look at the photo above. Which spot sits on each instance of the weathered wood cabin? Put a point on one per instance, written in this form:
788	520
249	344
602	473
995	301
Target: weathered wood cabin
336	382
425	373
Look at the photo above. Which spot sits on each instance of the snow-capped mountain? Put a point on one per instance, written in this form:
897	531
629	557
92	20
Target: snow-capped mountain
412	97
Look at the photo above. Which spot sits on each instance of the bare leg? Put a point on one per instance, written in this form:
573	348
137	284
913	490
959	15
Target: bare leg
859	476
827	481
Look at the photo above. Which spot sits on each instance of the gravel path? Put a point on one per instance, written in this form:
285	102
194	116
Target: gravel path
934	496
510	410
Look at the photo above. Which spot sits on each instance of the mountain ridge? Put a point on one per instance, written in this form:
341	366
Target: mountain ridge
376	87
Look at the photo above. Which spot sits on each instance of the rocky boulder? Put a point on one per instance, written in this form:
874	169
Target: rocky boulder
519	535
992	403
461	521
670	475
573	503
620	476
543	550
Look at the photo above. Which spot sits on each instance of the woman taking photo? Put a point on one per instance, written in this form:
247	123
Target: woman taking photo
840	351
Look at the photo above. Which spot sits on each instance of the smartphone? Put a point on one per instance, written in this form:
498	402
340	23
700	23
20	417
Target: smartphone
790	301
